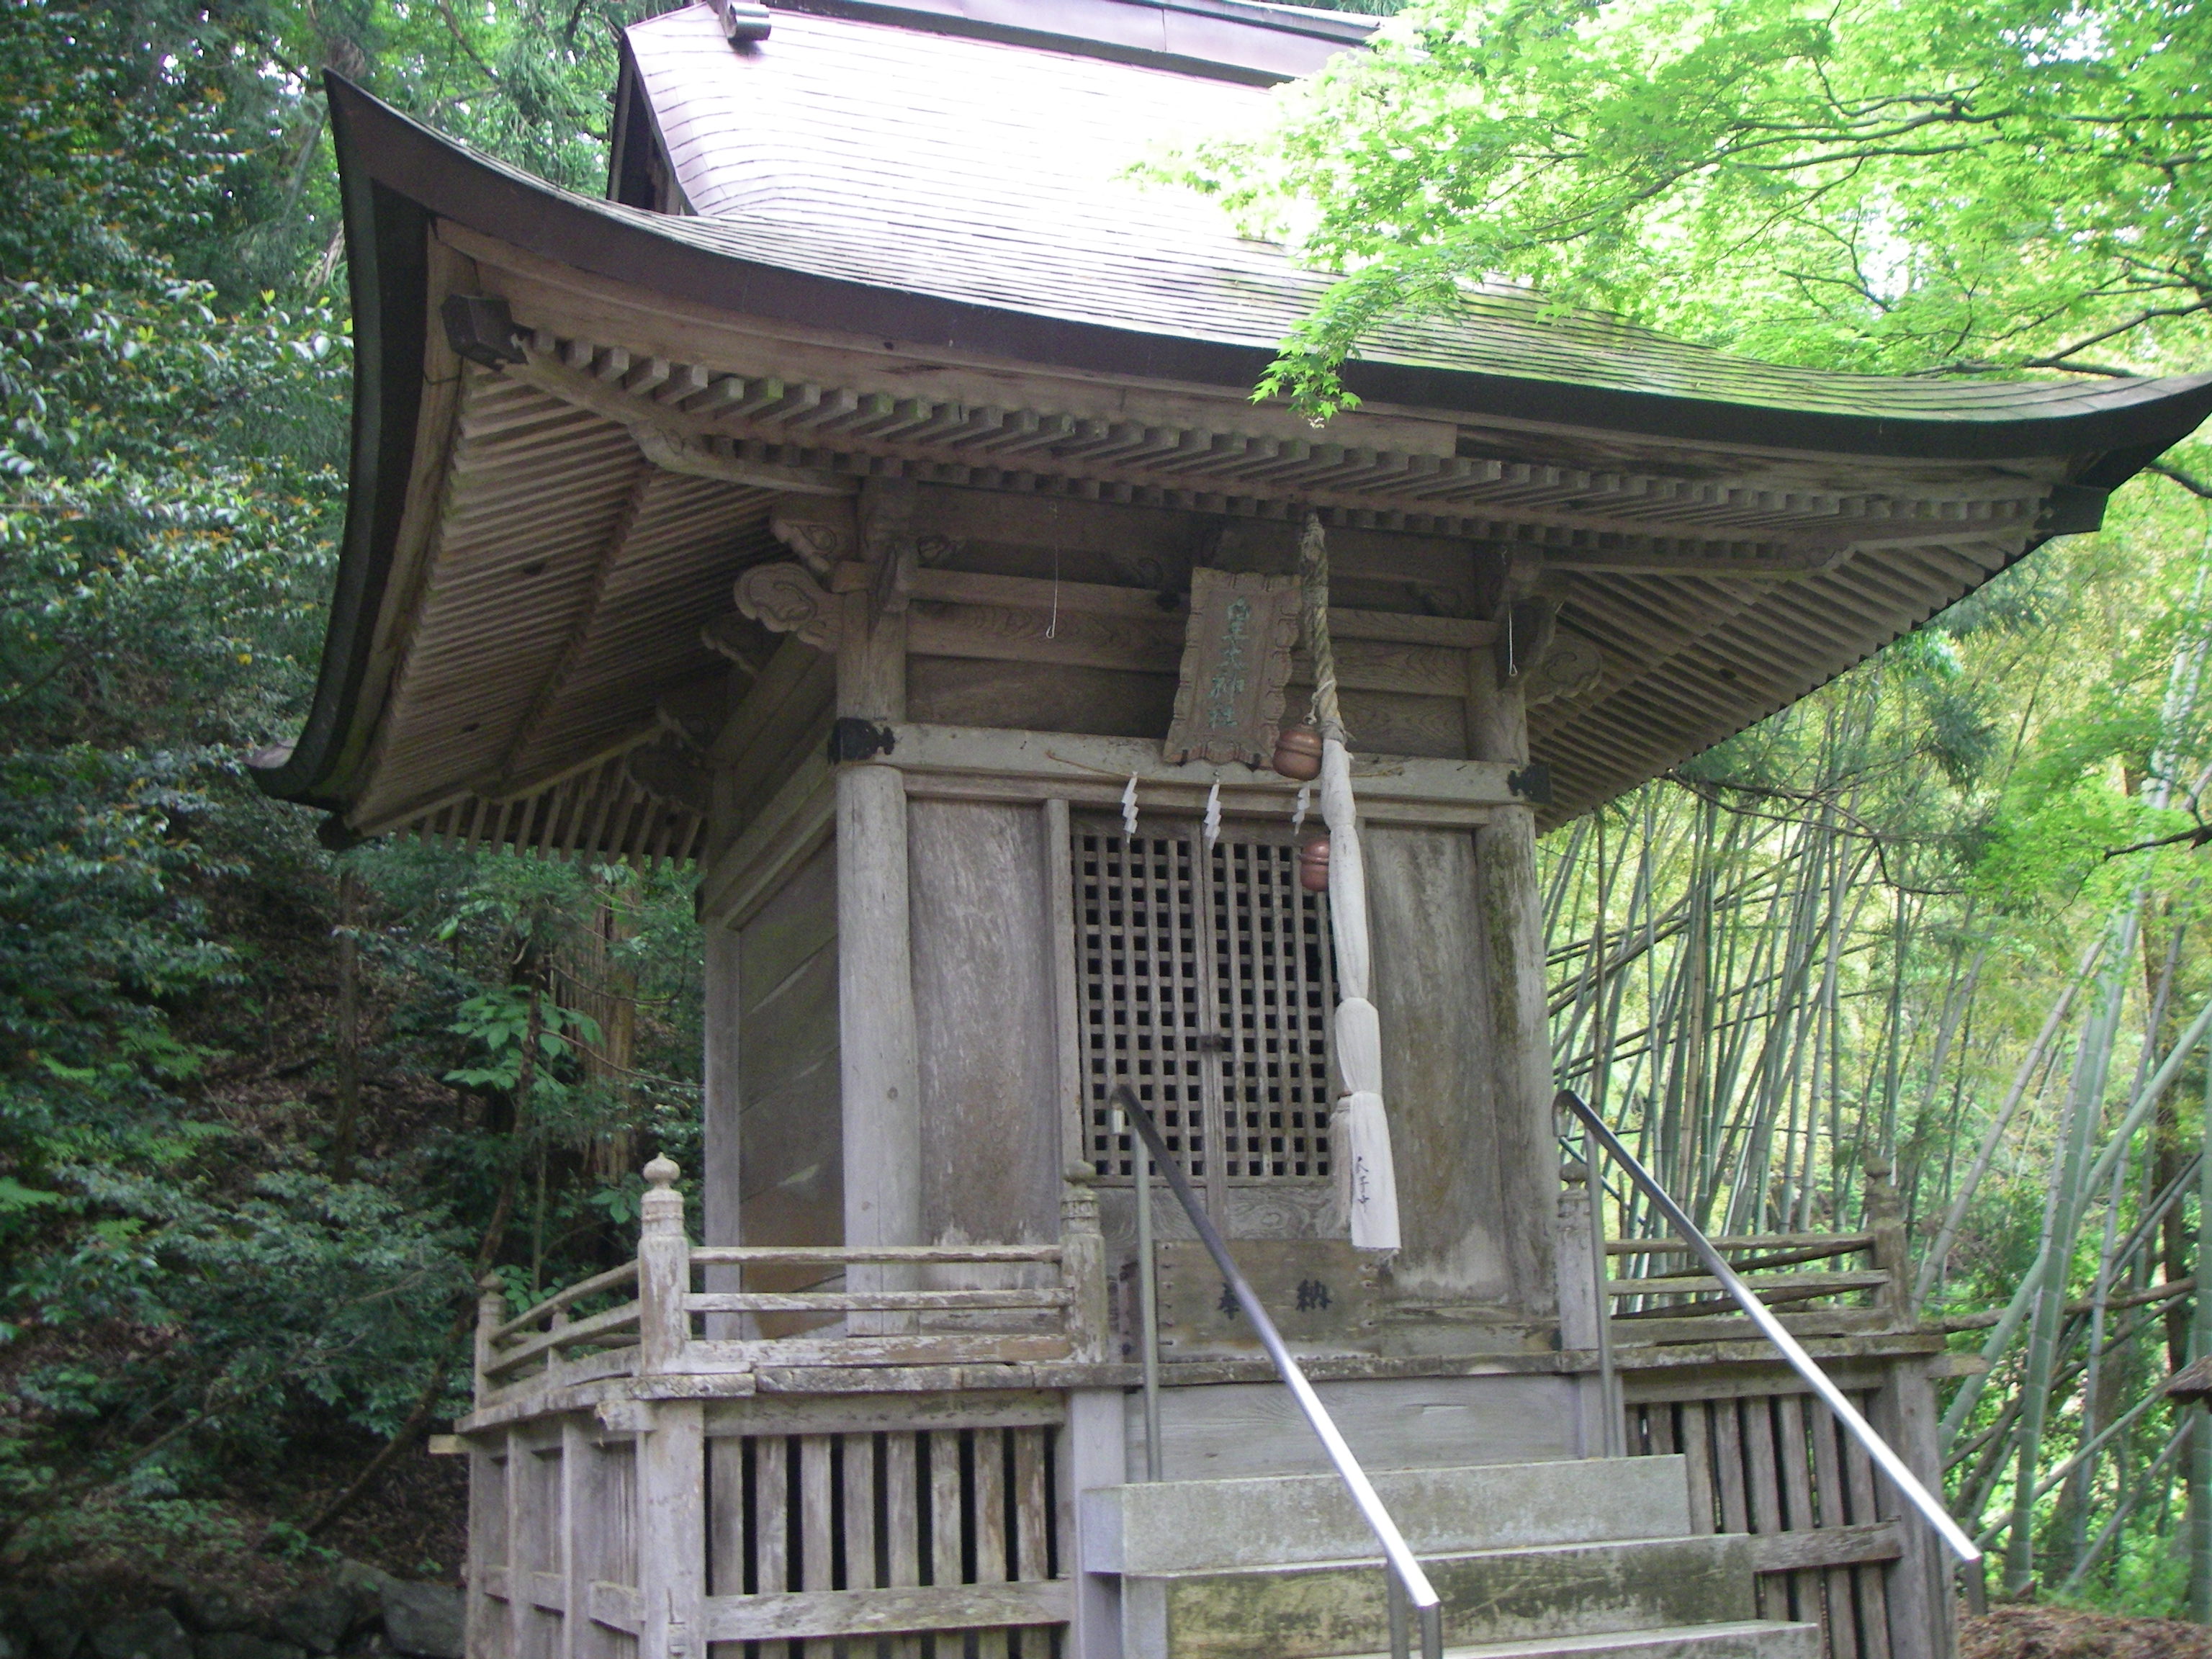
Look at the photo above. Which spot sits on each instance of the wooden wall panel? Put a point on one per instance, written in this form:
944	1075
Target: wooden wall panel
1104	702
788	1047
988	1026
1454	1202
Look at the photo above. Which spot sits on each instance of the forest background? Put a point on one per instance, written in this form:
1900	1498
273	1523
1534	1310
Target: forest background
269	1109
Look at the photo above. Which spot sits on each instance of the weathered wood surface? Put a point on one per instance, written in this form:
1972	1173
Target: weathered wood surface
1094	1452
1318	1291
672	1528
874	1300
1765	1457
1346	623
1462	1192
817	1255
1237	1431
1813	1246
790	826
1082	766
1919	1590
937	1409
1517	1042
1398	721
790	1154
986	1025
721	1174
884	1612
879	1057
1107	702
1235	664
901	1350
1800	1285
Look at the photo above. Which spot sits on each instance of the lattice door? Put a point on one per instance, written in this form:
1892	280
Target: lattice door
1206	983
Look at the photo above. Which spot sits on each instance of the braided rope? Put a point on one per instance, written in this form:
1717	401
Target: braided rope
1313	579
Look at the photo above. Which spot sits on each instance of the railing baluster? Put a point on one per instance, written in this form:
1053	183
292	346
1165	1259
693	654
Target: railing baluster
664	1271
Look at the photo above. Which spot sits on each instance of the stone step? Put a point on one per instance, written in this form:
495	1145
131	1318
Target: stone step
1755	1638
1171	1526
1316	1610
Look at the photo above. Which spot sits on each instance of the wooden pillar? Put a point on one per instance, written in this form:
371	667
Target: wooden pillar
1094	1453
1518	1044
1885	1214
879	1072
487	1522
671	1532
721	1173
1083	1267
520	1563
1067	1016
1497	679
1497	712
1585	1307
571	1559
1918	1590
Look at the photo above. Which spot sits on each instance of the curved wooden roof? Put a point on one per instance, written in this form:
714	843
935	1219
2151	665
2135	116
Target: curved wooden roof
920	285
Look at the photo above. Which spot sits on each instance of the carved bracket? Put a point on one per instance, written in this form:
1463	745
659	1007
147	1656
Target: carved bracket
821	529
1570	669
786	598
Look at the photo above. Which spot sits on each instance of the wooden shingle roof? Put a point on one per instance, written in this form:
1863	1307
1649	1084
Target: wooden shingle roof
988	173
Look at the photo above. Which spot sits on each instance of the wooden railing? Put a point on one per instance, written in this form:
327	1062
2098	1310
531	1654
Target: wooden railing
883	1304
1687	1373
1663	1299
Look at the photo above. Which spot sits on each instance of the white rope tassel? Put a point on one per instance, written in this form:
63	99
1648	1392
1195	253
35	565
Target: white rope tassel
1367	1181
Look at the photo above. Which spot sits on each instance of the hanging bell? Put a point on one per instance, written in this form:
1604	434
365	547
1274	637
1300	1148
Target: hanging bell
1297	752
1313	865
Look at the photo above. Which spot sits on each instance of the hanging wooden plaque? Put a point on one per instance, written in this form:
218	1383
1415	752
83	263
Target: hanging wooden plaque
1236	662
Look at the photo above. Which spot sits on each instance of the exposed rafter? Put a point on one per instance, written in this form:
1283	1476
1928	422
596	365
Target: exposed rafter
809	438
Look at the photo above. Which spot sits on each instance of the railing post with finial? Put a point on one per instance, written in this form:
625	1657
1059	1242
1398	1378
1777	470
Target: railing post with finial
664	1271
1885	1214
1082	1266
491	1314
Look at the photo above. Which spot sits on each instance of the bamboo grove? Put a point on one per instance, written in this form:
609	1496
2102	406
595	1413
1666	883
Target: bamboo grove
1949	914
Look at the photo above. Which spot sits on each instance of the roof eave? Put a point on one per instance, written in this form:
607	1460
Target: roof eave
397	176
387	241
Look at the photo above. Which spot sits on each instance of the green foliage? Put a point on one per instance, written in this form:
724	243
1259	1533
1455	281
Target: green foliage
201	1274
1914	186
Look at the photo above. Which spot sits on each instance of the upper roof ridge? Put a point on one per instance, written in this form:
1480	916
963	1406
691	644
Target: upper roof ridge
1247	40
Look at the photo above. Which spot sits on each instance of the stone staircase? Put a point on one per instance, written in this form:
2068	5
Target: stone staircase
1593	1558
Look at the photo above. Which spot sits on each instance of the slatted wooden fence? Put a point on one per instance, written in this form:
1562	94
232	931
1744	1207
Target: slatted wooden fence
844	1533
1777	1466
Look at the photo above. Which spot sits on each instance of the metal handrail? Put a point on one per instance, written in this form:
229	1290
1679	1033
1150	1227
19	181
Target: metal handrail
1409	1579
1804	1364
